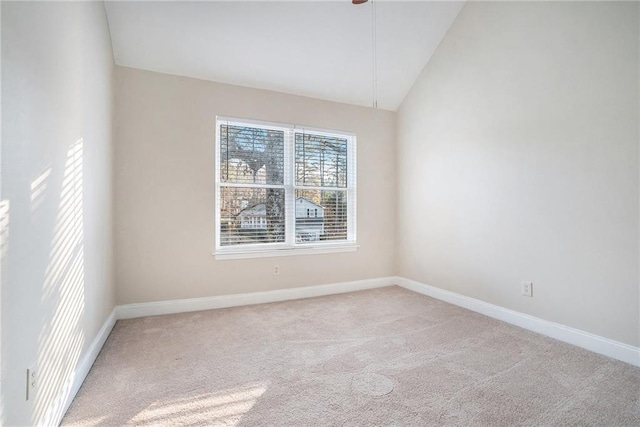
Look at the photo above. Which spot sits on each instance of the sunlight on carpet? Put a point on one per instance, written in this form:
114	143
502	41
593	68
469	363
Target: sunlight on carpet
224	408
386	356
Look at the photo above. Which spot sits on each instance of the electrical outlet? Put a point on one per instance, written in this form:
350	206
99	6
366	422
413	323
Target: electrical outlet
527	289
32	381
276	270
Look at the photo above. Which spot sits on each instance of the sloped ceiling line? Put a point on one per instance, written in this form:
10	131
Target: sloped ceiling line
319	49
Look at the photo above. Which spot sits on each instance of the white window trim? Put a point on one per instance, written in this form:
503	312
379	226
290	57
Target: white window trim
289	248
325	249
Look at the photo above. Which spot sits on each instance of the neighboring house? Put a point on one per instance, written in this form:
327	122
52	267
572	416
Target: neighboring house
309	219
254	217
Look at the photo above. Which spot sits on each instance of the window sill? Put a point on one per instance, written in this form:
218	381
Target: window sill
315	250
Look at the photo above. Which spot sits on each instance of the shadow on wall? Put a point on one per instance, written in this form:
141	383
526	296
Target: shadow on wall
4	247
61	336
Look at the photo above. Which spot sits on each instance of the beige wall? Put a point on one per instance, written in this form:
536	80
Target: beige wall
518	160
56	181
164	189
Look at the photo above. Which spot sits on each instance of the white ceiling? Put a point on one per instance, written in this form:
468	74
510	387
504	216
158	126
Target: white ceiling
320	49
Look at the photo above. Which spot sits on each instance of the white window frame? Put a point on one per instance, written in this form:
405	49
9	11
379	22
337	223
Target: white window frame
289	246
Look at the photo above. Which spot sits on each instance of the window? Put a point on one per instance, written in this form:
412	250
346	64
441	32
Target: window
283	189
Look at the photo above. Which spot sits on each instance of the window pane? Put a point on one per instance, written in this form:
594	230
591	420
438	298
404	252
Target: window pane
251	215
321	215
321	161
251	155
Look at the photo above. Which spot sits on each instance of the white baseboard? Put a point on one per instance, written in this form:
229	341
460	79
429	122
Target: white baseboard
586	340
130	311
61	404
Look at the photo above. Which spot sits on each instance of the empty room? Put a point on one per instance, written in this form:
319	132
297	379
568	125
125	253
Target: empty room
320	213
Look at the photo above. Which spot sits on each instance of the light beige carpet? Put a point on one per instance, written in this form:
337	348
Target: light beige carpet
380	357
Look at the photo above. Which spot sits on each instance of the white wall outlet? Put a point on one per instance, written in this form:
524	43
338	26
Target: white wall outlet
32	381
276	270
527	289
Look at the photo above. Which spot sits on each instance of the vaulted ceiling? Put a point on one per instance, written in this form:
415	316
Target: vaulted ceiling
320	49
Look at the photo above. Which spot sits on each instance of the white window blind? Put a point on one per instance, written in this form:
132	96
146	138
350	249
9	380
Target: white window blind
283	187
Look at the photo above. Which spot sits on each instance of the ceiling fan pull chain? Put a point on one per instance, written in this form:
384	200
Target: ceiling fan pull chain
374	54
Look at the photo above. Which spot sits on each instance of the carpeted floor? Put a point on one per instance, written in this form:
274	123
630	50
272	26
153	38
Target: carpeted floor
380	357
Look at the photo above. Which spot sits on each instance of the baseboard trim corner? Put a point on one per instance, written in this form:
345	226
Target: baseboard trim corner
595	343
65	397
129	311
